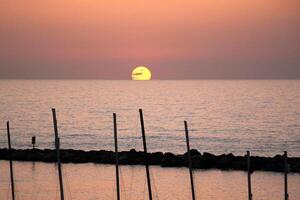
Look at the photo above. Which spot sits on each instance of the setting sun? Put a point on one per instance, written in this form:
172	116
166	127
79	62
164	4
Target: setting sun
141	73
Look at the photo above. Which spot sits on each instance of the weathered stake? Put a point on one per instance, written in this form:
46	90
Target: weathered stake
190	159
117	156
249	176
10	163
146	154
58	154
286	170
33	142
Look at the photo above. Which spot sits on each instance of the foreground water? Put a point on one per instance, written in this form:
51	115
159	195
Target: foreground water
95	181
224	116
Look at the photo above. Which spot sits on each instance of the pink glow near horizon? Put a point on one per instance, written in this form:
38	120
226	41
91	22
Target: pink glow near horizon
177	39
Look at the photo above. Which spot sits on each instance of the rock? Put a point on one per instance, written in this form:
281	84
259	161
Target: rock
132	151
133	157
194	152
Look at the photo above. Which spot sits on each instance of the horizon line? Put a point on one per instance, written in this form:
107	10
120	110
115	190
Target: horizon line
212	79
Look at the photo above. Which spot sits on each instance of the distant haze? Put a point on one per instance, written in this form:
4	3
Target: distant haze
176	39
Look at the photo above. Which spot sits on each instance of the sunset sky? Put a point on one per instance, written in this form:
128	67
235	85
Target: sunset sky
176	39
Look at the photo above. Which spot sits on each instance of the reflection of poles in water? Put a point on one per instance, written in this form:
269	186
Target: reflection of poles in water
146	154
117	156
249	176
286	171
58	154
10	163
189	159
32	169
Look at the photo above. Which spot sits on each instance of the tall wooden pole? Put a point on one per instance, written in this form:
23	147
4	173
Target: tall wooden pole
146	154
58	155
10	163
189	159
249	176
117	156
286	170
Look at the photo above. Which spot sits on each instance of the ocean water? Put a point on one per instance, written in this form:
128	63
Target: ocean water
224	116
94	181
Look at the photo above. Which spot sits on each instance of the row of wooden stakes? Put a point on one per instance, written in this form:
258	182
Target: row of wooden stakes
57	147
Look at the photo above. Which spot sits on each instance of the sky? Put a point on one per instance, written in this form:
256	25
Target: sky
176	39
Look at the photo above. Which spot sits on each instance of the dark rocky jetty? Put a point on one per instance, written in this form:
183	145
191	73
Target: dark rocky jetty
133	157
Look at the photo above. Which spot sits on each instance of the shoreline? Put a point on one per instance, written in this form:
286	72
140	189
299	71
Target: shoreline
200	160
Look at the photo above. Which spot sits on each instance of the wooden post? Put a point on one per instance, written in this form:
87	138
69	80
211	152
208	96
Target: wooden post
117	156
249	176
33	142
57	144
190	159
146	154
286	170
10	163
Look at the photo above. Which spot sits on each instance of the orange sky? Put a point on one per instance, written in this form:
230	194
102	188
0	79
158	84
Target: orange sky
219	39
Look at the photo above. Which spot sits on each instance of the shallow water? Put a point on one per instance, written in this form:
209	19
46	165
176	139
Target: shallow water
223	116
97	181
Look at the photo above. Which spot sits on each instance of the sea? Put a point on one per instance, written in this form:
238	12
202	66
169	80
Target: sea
223	116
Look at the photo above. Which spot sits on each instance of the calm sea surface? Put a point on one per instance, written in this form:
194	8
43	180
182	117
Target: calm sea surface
223	116
93	181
